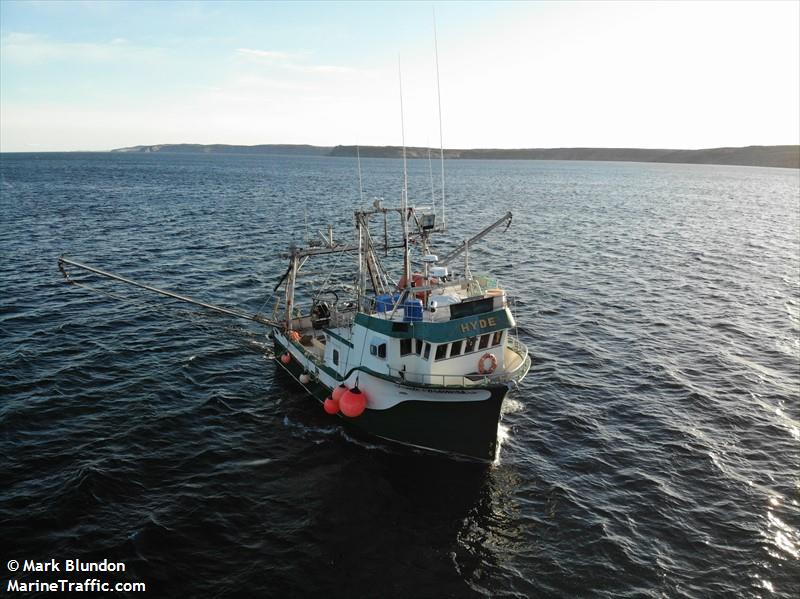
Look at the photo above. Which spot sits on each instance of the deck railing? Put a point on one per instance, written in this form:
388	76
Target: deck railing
469	380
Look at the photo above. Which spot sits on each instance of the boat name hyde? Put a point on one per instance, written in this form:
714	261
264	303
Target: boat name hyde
478	324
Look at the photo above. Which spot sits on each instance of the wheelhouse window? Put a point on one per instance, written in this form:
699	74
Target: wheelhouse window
378	350
470	346
336	357
418	348
497	338
484	341
405	347
427	353
441	351
455	348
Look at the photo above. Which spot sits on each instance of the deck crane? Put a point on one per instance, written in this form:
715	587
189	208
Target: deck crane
506	218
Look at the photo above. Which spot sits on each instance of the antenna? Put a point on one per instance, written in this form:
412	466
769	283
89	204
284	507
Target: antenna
439	98
403	138
404	199
430	172
360	187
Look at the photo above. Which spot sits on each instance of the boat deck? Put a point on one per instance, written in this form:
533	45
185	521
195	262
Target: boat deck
437	301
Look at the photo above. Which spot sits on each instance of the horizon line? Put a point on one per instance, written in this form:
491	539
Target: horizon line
415	147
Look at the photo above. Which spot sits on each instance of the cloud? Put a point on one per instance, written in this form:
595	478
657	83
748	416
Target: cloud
325	69
32	49
269	55
292	61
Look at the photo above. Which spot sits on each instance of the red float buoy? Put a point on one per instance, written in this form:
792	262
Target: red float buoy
331	406
286	358
353	402
338	392
294	336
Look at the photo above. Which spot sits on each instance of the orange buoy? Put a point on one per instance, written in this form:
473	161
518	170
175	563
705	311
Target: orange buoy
331	406
294	336
286	358
338	392
353	402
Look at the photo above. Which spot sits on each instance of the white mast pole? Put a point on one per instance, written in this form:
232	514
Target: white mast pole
404	200
290	283
365	263
360	291
360	186
466	260
439	98
430	172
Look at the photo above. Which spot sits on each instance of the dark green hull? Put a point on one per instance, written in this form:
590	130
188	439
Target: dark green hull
465	428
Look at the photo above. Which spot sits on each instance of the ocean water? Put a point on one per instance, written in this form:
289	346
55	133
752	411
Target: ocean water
653	451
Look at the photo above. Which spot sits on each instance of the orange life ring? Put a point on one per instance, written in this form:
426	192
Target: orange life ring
482	368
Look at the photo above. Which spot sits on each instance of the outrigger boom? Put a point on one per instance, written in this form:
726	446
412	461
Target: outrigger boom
227	311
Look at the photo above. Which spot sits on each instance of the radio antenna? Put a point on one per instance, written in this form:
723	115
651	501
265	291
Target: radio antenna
430	172
406	265
439	98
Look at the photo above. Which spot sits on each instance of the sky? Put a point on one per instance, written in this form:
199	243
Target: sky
102	75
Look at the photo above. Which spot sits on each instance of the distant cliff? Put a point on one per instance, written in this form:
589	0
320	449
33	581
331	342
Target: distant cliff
301	149
778	156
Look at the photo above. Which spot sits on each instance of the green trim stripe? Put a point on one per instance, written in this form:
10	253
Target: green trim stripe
439	332
338	338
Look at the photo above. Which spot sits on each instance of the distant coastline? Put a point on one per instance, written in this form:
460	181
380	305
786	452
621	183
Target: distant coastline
774	156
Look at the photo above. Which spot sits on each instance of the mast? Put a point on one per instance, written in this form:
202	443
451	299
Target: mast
466	259
360	186
290	283
439	99
361	284
430	173
404	198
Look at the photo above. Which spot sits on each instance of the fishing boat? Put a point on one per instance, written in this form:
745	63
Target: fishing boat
425	361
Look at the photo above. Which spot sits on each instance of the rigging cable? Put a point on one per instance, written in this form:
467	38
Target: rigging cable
328	278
